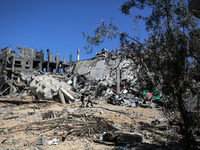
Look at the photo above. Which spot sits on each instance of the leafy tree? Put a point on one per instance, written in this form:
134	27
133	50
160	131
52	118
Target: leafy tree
171	53
171	50
100	34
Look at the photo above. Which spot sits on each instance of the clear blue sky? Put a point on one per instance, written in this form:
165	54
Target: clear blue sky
58	24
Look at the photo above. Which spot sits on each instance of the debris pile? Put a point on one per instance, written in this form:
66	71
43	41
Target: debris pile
113	76
47	87
59	126
109	78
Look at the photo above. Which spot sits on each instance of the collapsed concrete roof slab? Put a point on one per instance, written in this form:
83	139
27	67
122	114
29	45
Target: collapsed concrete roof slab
82	67
100	70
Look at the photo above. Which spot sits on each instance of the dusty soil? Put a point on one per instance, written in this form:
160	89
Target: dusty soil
72	127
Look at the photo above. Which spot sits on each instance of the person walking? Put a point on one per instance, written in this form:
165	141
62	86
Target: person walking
145	99
136	101
82	100
89	100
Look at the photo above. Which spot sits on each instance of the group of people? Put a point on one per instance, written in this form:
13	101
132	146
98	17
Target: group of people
83	96
88	100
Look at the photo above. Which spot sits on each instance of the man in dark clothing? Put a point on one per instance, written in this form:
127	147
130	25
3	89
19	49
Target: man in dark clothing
82	100
89	100
145	99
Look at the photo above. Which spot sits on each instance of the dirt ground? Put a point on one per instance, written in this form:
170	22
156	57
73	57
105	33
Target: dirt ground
25	125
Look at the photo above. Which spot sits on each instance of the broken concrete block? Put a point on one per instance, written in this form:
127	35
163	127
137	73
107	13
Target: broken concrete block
61	96
41	141
82	67
26	142
69	82
67	94
48	115
99	70
75	95
11	117
38	79
122	137
48	95
129	137
109	92
54	142
65	86
55	87
29	133
15	141
45	87
124	91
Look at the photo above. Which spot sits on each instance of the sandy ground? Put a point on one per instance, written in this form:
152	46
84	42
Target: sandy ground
20	126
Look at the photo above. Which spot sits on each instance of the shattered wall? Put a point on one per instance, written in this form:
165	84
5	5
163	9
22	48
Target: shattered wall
14	64
16	68
111	74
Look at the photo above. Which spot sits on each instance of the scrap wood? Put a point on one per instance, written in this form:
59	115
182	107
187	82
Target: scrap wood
10	117
117	111
69	126
43	124
87	118
66	134
17	128
25	101
79	122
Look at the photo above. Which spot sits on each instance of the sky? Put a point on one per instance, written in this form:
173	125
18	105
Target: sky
57	25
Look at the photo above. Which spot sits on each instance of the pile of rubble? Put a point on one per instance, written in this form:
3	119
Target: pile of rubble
46	87
111	75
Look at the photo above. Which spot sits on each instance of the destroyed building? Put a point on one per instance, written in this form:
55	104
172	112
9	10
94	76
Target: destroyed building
17	68
13	64
112	76
108	73
115	77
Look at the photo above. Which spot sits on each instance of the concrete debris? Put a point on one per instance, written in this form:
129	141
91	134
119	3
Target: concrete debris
55	125
48	115
120	137
29	67
110	76
41	141
54	142
45	87
5	141
26	142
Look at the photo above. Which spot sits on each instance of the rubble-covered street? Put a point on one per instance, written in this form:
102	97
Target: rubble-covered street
50	125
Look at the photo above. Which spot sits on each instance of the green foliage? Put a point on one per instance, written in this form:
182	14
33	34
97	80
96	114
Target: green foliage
102	32
171	53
